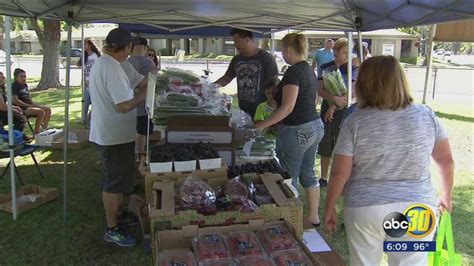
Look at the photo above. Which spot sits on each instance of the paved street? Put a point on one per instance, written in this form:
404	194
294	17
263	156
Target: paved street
453	86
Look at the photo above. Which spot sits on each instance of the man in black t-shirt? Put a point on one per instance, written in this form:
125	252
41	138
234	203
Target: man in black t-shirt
21	98
252	67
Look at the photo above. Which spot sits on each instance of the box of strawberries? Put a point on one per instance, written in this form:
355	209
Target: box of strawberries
222	201
254	243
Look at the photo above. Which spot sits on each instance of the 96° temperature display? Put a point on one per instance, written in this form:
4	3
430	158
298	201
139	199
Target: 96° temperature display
409	246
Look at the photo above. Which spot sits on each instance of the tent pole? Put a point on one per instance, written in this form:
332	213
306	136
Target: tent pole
66	116
83	65
273	43
11	143
349	68
361	49
429	61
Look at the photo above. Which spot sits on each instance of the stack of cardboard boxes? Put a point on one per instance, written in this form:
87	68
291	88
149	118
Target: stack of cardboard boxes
162	220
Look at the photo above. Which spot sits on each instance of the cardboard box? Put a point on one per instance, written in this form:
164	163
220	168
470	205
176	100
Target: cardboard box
185	165
139	207
161	167
182	238
77	139
164	216
28	197
155	136
218	136
47	137
205	164
175	176
227	155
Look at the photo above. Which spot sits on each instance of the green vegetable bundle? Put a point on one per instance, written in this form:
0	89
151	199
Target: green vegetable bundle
334	84
187	76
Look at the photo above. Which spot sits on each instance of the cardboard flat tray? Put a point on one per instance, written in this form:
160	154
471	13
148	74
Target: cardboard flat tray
28	197
181	239
81	140
163	214
175	176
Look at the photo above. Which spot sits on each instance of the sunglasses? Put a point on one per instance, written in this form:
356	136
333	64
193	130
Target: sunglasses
150	54
22	76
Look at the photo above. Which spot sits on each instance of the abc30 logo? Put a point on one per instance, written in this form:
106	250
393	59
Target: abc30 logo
416	221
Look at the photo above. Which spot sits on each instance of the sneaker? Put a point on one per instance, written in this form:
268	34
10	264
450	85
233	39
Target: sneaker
323	182
115	235
126	219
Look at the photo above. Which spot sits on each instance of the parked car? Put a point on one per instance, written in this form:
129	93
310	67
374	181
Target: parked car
76	55
448	53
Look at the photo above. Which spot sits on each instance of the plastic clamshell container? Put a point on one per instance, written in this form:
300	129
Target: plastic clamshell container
257	261
219	262
292	257
210	247
243	244
173	257
277	238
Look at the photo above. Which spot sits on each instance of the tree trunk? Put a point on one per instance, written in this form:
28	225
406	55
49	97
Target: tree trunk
50	38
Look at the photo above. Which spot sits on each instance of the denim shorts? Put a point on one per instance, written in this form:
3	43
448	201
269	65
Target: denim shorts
296	150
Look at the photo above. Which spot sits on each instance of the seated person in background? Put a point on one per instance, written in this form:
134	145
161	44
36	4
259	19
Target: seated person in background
21	98
19	118
265	109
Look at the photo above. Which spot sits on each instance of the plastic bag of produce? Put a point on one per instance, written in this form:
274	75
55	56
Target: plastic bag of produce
196	194
240	119
175	99
334	83
236	187
176	74
236	203
211	91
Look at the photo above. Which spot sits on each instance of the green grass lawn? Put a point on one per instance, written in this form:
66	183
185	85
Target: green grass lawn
40	236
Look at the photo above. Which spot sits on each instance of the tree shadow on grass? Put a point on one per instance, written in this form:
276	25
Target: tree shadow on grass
455	117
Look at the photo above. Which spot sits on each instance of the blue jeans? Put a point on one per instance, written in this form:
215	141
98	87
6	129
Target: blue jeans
86	102
296	150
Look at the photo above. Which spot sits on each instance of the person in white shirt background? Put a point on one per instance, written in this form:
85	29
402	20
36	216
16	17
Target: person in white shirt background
113	131
91	53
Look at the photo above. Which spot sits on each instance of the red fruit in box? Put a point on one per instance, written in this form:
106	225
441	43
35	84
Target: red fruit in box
210	246
177	257
294	257
219	262
256	261
243	243
277	238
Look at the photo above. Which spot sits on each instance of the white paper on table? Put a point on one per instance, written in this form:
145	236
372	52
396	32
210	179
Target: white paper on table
314	241
150	94
248	147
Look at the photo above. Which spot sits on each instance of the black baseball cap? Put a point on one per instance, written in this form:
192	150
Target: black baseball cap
118	37
139	41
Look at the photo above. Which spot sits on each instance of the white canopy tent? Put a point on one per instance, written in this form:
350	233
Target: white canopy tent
254	15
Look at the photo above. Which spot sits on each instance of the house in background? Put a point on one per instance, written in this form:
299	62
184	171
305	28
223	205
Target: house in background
26	41
390	41
380	42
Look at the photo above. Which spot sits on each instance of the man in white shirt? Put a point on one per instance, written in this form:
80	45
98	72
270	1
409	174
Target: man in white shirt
113	127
